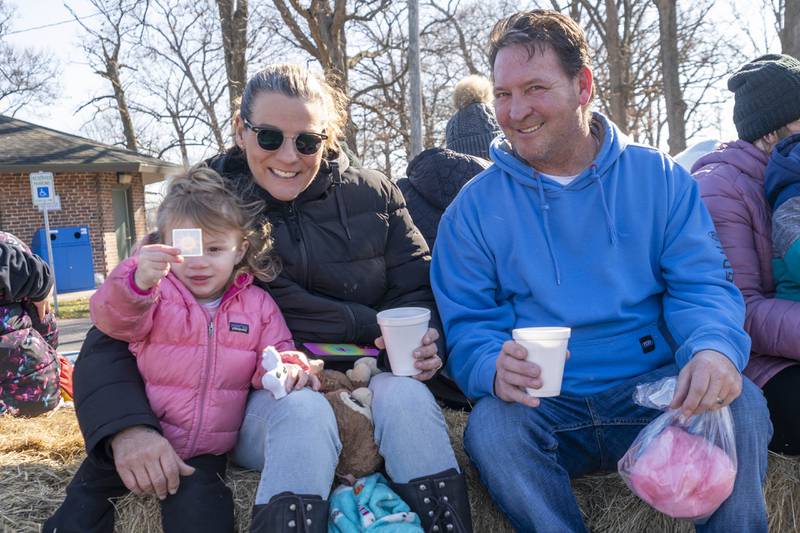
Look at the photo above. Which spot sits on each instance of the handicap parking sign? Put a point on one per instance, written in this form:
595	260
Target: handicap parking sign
42	189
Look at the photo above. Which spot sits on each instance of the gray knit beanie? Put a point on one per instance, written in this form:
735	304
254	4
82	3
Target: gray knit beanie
473	126
767	95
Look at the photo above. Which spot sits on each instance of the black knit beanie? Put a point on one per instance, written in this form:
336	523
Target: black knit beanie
471	130
767	95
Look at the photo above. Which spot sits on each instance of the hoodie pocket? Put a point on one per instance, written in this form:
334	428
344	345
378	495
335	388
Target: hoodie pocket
596	364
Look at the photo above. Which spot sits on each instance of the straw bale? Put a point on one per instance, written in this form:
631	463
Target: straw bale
39	456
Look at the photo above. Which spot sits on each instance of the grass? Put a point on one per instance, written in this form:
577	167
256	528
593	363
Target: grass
77	308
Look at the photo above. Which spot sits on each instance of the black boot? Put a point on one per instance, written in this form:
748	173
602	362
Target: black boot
440	500
291	513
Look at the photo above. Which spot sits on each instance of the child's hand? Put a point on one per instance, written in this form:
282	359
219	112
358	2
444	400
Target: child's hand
297	378
42	307
154	264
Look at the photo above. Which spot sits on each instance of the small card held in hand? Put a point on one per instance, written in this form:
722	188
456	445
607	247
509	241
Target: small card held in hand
189	241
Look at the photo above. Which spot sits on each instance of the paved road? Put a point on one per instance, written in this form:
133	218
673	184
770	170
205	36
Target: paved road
71	334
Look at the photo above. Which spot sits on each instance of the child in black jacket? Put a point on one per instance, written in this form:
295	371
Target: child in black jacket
29	368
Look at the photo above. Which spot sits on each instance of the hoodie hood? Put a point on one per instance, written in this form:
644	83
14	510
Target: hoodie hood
612	144
437	174
742	155
782	176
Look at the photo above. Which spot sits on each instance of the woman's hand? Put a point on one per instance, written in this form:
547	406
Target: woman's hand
297	378
147	463
427	357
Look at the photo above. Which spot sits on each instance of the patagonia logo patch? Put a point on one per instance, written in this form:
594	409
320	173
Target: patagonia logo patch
648	344
240	328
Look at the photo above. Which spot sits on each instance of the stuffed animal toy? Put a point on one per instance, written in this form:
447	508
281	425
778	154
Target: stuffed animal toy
351	401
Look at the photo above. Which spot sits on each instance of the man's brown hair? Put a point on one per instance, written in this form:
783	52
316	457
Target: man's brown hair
539	29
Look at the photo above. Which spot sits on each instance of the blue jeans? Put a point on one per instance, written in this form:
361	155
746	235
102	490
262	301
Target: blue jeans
294	441
527	456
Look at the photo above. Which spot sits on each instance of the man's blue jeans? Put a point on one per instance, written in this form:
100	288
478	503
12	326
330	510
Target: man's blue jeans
527	456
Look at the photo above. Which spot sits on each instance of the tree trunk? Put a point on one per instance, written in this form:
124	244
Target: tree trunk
415	88
673	96
790	36
112	73
331	36
233	21
617	67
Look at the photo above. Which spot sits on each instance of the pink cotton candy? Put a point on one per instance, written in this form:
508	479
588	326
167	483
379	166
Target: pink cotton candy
683	475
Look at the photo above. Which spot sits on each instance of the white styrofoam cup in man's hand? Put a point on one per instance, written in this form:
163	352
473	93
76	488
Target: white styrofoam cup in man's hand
547	347
402	329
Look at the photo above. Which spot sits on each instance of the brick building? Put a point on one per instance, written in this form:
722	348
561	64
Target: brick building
100	186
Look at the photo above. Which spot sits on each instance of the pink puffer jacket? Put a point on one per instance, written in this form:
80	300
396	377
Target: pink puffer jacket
197	373
731	182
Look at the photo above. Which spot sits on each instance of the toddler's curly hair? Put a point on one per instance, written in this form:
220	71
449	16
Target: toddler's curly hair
200	195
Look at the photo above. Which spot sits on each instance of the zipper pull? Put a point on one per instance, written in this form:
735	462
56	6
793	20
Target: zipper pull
211	328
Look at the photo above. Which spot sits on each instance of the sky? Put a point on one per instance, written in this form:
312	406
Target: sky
61	41
60	38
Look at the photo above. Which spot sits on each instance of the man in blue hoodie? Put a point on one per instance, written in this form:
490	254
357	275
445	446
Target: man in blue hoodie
575	225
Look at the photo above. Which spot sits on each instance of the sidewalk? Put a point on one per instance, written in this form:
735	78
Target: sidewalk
71	332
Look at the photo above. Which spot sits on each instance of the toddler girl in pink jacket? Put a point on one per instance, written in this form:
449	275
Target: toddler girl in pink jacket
197	326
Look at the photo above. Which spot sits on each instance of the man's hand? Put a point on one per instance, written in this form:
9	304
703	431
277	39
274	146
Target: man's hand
154	264
147	463
514	374
708	382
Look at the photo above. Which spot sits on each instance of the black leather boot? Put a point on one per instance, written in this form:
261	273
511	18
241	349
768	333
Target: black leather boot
440	500
291	513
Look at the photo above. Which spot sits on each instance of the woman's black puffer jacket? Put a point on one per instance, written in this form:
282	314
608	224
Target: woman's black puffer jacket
348	249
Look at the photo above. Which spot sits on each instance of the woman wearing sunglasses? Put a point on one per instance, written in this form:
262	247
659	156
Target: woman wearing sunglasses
348	249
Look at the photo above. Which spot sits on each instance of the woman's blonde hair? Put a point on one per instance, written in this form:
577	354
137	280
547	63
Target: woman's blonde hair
298	82
201	195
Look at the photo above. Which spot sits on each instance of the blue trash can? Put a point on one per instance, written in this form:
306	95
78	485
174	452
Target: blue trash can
72	250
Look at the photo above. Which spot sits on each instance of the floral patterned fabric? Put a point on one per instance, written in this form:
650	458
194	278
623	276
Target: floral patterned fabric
29	369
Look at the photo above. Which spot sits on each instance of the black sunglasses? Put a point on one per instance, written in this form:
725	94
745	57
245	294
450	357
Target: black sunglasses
271	139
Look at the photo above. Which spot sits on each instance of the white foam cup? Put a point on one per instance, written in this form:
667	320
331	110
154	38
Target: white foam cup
547	347
402	329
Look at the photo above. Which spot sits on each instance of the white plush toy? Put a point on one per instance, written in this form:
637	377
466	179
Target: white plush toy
275	378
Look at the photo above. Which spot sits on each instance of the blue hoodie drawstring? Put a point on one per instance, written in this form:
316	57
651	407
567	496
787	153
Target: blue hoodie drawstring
546	219
612	230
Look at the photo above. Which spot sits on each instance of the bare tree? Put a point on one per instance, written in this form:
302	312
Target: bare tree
26	77
790	33
103	46
233	23
380	86
673	96
616	31
185	39
319	30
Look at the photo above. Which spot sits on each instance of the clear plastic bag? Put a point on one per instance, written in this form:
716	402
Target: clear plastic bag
683	467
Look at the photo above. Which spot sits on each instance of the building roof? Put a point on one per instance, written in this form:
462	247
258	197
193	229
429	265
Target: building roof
27	147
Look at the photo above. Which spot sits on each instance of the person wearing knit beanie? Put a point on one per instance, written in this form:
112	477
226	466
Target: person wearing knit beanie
767	96
473	126
749	187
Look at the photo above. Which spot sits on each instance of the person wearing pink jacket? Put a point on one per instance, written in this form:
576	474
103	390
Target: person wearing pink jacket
197	326
731	179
